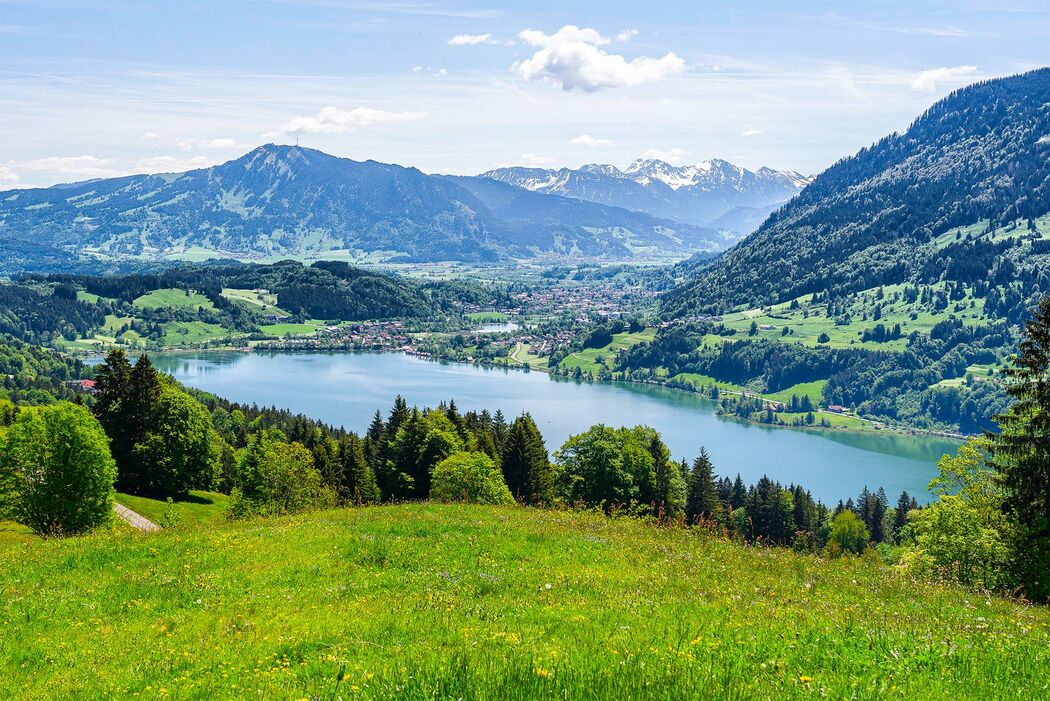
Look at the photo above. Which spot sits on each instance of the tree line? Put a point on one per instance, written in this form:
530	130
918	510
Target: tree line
988	526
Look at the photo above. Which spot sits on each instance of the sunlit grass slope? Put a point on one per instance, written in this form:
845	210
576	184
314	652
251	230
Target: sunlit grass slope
431	601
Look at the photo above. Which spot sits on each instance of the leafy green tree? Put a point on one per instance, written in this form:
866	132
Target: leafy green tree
275	477
1021	450
525	463
57	458
422	441
848	534
180	450
965	536
605	466
470	477
702	502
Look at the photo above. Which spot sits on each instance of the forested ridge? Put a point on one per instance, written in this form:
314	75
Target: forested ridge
977	157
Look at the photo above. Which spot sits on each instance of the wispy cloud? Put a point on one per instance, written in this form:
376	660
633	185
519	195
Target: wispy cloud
477	39
927	81
427	9
627	35
56	169
751	132
332	120
672	155
572	59
532	160
588	140
171	164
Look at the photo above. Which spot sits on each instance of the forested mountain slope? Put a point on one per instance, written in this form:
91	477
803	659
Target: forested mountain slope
954	198
294	201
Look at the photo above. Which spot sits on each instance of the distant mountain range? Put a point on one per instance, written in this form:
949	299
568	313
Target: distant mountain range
963	197
713	193
289	201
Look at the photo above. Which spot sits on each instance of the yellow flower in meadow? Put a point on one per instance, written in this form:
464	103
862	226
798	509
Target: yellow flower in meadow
541	672
805	680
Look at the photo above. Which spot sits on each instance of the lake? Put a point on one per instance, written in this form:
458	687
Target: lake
346	389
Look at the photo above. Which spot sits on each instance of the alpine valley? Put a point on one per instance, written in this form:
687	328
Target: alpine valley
295	425
290	201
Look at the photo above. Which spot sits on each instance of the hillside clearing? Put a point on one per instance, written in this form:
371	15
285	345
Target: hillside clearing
432	601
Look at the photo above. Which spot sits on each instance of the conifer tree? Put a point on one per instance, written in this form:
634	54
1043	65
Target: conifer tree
1021	450
701	492
358	480
526	464
900	515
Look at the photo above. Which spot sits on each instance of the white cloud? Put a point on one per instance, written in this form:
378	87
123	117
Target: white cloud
331	120
221	143
150	135
571	58
672	155
532	160
70	166
171	164
588	140
751	132
55	169
627	35
477	39
927	80
417	69
1044	140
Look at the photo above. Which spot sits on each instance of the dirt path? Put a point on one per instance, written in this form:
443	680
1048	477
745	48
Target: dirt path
138	521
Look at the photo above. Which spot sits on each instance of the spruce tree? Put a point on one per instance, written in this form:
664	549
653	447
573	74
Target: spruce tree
702	502
358	479
1021	450
900	516
525	463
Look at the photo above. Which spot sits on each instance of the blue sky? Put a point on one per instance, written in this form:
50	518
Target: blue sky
108	87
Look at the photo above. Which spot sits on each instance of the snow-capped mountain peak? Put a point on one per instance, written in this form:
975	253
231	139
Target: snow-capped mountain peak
698	193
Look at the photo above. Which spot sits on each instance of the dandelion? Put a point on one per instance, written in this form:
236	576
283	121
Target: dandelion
805	680
541	671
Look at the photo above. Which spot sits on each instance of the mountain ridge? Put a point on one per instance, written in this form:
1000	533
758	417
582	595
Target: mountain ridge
956	197
291	200
699	194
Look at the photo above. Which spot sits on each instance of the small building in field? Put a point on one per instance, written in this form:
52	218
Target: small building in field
836	408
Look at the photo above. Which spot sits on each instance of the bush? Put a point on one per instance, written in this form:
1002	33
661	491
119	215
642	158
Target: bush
848	534
965	536
469	477
274	478
57	463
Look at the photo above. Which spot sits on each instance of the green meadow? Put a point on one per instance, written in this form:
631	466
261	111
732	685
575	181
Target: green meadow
427	601
172	297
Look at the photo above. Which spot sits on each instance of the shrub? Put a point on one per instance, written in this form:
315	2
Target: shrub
965	536
848	534
275	477
57	461
469	477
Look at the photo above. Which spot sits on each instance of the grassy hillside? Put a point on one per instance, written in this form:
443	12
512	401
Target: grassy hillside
431	601
172	297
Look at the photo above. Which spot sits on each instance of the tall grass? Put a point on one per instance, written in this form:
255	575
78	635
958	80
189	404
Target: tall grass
446	601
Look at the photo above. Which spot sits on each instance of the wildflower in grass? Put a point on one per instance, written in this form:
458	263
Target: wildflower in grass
543	672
